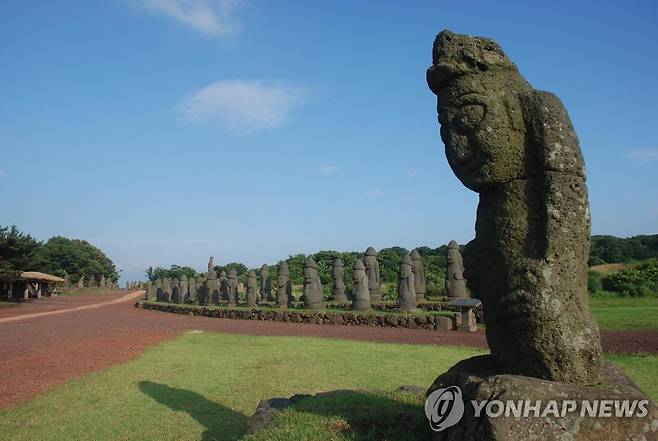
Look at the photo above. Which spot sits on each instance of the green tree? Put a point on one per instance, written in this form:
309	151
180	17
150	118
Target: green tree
17	252
77	258
174	272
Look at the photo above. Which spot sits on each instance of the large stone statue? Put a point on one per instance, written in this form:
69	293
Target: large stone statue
517	148
81	282
211	289
372	269
360	289
211	264
338	282
284	286
420	280
265	284
252	289
406	285
455	283
232	288
312	285
192	290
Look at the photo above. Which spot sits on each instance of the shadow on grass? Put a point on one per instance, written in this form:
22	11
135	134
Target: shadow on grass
220	422
353	415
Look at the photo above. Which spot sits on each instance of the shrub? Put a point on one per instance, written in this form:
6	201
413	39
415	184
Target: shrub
640	281
594	281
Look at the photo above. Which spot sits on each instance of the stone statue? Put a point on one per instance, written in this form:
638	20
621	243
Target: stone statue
406	285
212	289
252	289
284	286
516	147
455	283
223	286
166	290
232	288
192	290
102	282
360	291
150	294
312	285
419	275
81	282
184	289
372	269
159	292
265	284
176	296
199	282
338	286
211	264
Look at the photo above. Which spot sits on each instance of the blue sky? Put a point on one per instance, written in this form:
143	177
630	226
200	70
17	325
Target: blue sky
166	131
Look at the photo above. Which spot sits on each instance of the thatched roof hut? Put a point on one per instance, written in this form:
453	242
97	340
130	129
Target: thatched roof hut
40	277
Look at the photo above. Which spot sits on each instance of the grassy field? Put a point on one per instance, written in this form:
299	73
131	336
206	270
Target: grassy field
610	268
205	385
633	313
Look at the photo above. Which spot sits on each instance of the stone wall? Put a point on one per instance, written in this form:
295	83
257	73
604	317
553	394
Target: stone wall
316	317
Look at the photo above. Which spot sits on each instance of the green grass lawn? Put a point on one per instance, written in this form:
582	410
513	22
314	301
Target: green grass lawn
203	386
613	312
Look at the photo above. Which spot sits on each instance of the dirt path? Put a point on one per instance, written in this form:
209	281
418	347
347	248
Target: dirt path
51	341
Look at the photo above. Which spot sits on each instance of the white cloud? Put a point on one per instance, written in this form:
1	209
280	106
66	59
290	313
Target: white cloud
212	17
243	106
412	173
328	169
643	155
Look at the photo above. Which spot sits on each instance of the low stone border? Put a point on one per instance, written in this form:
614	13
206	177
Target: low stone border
320	317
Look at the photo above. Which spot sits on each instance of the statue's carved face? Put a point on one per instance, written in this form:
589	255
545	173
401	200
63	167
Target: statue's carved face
482	129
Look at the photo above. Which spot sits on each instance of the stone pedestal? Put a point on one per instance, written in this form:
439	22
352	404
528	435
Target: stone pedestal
467	321
478	380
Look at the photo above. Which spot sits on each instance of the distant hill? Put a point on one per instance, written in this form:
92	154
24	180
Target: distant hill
611	249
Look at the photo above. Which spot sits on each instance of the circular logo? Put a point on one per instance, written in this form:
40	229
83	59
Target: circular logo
444	408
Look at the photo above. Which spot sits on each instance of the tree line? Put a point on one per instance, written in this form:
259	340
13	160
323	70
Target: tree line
611	249
604	249
59	256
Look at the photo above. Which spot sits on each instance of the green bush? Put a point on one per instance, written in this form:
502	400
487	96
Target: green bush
641	281
594	283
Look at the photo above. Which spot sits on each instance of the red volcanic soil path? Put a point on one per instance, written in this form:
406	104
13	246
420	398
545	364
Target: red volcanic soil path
50	341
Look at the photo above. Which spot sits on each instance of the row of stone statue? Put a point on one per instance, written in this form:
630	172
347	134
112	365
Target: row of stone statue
92	283
412	284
